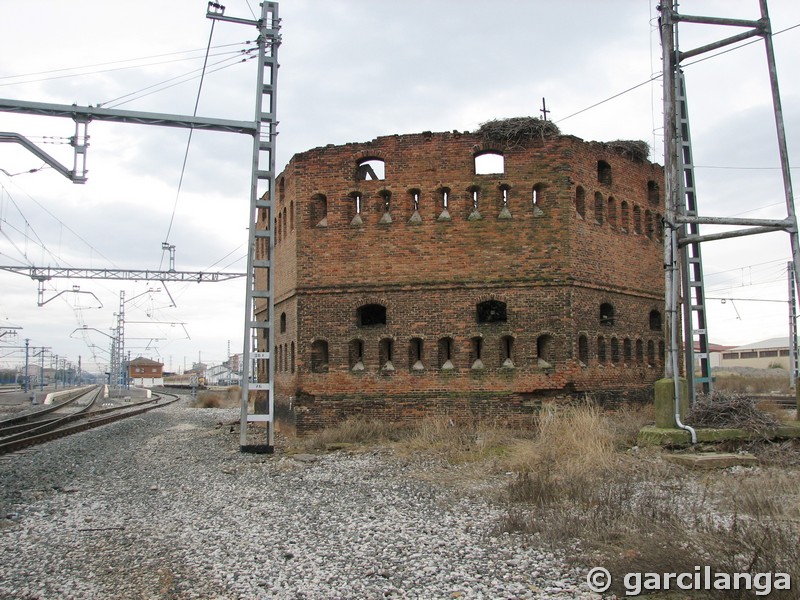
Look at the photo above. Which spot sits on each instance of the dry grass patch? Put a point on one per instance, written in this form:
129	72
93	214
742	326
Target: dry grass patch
355	430
763	381
228	398
632	512
457	443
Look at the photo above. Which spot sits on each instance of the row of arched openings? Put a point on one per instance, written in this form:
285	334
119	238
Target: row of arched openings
622	217
318	207
487	162
498	353
627	351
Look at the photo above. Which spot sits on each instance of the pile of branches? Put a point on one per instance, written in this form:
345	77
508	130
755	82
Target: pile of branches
517	131
634	149
729	410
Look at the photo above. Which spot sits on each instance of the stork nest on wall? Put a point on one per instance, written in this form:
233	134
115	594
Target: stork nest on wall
634	149
518	131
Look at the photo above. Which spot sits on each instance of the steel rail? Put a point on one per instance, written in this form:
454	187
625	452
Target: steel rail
84	425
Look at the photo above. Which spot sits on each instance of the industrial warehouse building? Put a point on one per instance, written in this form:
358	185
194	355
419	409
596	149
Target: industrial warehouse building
472	275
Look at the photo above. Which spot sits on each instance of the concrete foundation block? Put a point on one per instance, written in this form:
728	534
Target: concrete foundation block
665	402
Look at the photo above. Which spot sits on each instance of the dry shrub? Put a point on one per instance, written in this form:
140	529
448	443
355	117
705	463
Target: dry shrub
228	398
630	513
728	410
574	441
457	442
760	381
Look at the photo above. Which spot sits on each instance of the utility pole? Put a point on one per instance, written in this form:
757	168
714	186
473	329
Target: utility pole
793	358
677	217
25	379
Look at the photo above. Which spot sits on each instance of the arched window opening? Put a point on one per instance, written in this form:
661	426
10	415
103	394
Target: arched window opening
416	218
474	192
370	315
414	200
606	314
637	220
601	349
615	351
293	358
489	163
355	355
580	202
659	225
507	352
319	356
356	209
505	213
286	358
649	229
492	311
537	195
283	322
278	361
639	351
371	169
603	172
612	212
415	355
291	215
653	193
476	352
386	199
285	228
651	353
544	351
445	214
386	354
277	230
655	320
624	217
598	207
583	350
446	354
318	209
627	351
281	189
662	351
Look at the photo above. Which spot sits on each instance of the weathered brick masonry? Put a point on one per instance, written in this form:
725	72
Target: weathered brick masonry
394	300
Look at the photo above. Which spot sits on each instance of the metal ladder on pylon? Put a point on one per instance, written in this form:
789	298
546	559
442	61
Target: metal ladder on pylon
695	325
258	371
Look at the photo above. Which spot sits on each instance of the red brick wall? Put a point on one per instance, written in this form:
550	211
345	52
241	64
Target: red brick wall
551	267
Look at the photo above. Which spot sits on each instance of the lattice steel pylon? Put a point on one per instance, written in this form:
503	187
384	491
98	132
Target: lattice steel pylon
258	371
681	263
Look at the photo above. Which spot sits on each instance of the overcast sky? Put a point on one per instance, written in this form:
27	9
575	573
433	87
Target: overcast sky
351	70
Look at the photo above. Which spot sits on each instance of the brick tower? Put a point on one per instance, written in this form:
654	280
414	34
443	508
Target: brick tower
472	275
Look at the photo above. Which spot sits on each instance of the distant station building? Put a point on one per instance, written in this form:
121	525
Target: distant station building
469	275
143	372
766	354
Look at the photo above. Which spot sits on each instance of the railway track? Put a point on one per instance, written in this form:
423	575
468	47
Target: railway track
43	425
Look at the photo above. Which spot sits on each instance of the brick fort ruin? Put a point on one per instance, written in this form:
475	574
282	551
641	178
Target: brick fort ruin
471	275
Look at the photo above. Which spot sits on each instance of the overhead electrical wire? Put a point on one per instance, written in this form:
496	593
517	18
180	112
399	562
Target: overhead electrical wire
59	221
98	71
188	144
658	76
235	60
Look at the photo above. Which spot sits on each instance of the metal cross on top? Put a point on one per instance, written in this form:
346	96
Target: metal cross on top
544	110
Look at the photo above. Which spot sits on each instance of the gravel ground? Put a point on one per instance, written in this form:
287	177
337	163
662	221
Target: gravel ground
164	506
